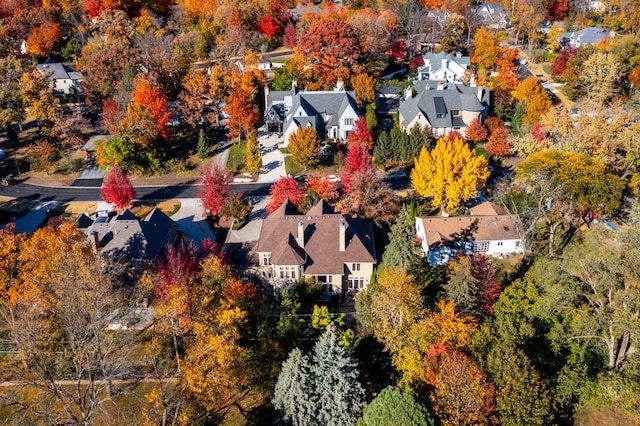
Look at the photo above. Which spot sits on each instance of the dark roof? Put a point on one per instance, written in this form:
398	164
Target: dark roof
127	238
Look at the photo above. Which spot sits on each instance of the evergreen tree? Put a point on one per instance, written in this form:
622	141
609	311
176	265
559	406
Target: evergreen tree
371	117
473	285
337	394
394	406
383	149
417	138
402	250
322	388
292	394
399	144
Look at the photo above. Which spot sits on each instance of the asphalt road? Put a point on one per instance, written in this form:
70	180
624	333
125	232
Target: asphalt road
70	193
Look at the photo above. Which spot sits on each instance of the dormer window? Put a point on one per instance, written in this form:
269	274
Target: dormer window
348	121
455	112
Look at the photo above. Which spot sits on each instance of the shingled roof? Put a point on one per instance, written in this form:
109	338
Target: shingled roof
127	238
454	97
320	250
488	222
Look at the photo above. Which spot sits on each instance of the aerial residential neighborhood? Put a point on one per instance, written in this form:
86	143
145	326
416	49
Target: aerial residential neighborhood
409	212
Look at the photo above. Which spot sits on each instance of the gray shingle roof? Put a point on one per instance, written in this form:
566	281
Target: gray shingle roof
454	97
58	71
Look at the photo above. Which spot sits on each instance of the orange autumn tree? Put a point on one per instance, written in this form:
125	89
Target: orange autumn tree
243	114
43	39
507	69
150	96
325	188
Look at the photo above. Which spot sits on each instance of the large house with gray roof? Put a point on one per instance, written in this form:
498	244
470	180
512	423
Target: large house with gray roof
334	249
587	36
331	113
443	66
61	77
126	238
489	229
443	107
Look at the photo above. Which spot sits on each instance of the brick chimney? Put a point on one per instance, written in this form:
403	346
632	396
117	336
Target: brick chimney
301	234
94	240
441	85
343	236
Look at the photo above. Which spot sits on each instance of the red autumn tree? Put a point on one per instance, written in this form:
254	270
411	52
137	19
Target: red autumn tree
360	134
538	132
215	189
177	266
493	123
476	132
150	96
557	10
499	144
269	27
117	189
455	134
243	114
357	161
561	67
112	116
290	37
334	49
284	189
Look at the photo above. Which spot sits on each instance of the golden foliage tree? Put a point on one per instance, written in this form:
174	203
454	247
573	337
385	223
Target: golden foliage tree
363	84
537	102
486	49
450	173
304	146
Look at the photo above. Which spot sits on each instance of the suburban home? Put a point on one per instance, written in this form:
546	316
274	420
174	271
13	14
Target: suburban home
336	250
331	113
126	238
444	67
62	78
493	15
443	107
588	36
488	229
388	98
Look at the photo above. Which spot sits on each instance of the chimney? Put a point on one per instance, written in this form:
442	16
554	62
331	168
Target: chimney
480	93
94	241
441	85
301	234
472	80
343	236
266	97
408	93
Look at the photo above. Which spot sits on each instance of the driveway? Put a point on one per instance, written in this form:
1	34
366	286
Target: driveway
272	159
250	232
192	221
32	220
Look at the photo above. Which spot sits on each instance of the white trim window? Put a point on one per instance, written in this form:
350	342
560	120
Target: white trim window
355	267
356	283
481	247
266	259
288	272
348	121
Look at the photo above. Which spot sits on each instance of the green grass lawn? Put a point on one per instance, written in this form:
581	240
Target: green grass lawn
291	167
237	152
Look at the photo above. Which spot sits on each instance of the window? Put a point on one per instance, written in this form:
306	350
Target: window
288	272
356	283
480	247
266	259
455	112
355	267
499	243
348	121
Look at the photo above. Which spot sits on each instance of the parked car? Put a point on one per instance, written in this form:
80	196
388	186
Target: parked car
400	174
7	180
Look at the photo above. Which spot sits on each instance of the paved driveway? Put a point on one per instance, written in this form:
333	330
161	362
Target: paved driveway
272	159
191	220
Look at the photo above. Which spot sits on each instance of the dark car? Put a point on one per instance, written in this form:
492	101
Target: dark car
7	180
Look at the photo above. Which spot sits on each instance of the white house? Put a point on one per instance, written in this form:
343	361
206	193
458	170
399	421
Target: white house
489	230
62	78
444	67
587	36
331	113
443	107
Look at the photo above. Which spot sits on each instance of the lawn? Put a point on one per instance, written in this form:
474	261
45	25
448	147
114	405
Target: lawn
291	167
237	152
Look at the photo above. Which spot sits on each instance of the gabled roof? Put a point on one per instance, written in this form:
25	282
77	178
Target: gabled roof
126	237
487	222
435	59
451	97
58	71
320	251
590	35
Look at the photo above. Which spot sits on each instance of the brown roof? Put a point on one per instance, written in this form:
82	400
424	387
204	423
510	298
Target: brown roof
488	209
470	228
321	239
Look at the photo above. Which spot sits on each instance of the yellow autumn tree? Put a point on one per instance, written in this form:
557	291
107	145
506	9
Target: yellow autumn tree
450	173
537	102
304	146
486	49
363	84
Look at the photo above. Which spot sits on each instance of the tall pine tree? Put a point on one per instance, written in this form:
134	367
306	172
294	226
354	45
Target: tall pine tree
403	250
293	388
